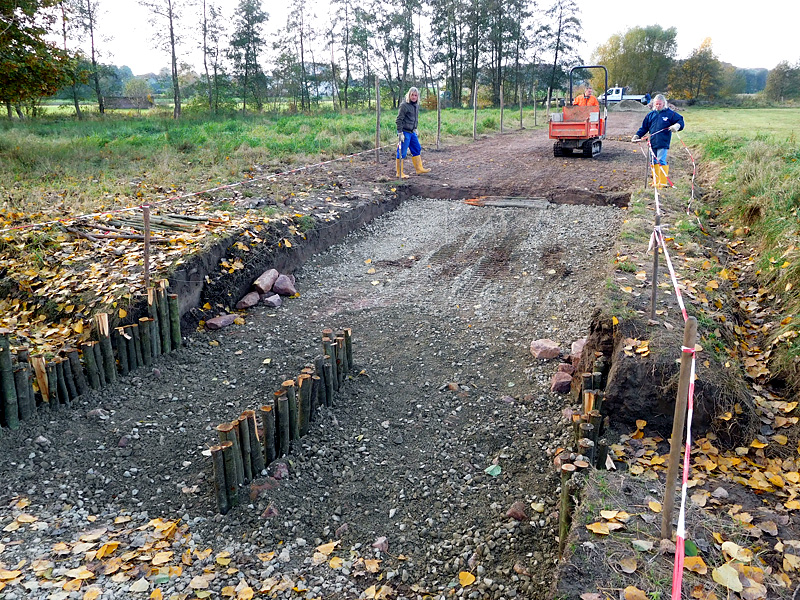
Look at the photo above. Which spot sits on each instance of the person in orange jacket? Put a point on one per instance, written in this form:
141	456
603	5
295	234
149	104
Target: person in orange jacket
587	99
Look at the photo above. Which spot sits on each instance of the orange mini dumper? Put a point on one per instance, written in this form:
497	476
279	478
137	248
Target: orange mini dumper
579	127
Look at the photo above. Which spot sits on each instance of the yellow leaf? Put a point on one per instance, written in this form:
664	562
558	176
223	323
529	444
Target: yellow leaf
598	528
626	289
736	552
633	593
92	593
266	557
287	243
223	559
156	594
207	306
609	514
23	518
696	564
336	563
372	565
757	444
628	564
123	313
727	576
73	585
78	327
369	260
162	558
466	578
654	506
246	593
326	549
371	271
239	321
9	575
641	423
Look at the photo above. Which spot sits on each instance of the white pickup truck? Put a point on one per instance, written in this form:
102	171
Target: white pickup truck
617	94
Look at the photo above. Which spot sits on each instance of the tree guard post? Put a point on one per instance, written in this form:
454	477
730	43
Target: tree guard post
502	108
475	110
678	422
146	219
377	120
438	116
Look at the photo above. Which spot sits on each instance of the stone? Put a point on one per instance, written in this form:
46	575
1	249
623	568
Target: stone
544	348
272	300
220	322
566	368
578	346
381	543
266	280
561	383
249	301
284	286
517	511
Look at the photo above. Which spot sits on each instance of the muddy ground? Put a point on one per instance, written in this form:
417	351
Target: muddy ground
396	470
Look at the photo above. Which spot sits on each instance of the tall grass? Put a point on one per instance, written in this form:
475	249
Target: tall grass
57	164
760	184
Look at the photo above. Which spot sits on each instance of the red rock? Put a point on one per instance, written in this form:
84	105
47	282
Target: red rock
249	300
560	383
545	348
381	544
284	286
220	322
517	511
566	368
577	347
271	300
266	280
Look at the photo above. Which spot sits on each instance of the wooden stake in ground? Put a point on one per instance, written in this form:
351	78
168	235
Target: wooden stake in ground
133	361
163	318
137	344
316	396
63	392
304	403
227	434
377	120
147	343
244	440
155	330
268	423
22	383
77	371
106	348
146	220
52	386
327	372
654	290
256	450
348	344
220	488
288	388
231	482
564	513
327	349
678	423
70	377
475	111
283	424
174	321
91	367
7	385
40	370
98	360
342	354
121	342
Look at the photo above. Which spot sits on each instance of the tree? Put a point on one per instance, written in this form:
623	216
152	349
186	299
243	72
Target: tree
30	66
783	82
564	28
140	90
698	76
640	58
447	31
246	41
168	11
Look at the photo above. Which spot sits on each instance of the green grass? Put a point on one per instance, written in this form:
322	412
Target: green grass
58	164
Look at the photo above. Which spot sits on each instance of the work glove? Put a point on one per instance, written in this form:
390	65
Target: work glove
675	127
416	132
636	138
401	136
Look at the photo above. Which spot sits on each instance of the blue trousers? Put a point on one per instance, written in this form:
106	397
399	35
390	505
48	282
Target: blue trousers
660	156
411	142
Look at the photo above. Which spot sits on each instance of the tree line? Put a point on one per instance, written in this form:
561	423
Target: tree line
514	47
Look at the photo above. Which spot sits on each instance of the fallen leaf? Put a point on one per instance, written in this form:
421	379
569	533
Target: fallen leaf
326	549
466	578
598	528
654	506
139	586
628	565
727	576
633	593
695	564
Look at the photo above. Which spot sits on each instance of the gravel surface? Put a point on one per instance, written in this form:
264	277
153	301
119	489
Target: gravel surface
443	388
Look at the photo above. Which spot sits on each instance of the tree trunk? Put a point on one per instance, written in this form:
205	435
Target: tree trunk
176	88
205	55
100	103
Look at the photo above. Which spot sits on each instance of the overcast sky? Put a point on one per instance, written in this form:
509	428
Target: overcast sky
748	38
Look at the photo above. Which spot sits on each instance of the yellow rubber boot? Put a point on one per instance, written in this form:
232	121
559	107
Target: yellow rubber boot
417	160
661	172
399	166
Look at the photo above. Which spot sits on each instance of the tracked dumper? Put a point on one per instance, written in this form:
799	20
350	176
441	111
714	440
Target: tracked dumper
579	127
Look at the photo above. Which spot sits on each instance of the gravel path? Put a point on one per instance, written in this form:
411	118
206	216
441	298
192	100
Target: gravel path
443	388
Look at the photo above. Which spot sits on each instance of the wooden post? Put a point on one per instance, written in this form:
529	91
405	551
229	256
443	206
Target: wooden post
519	87
63	392
316	393
220	488
98	361
133	361
147	343
377	120
72	388
121	342
475	110
678	422
227	434
327	349
91	367
244	440
268	423
22	383
342	352
155	329
175	321
327	372
163	319
146	219
502	107
256	452
563	517
7	385
535	123
231	483
438	116
283	424
106	348
77	371
40	371
137	344
654	291
288	388
304	385
52	386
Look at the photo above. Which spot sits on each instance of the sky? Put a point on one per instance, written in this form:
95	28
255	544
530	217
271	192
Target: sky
751	37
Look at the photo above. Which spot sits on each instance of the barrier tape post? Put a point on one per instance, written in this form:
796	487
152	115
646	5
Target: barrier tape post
654	294
678	423
146	219
377	120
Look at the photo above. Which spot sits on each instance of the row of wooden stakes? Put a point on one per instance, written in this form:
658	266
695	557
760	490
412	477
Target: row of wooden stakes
31	383
245	450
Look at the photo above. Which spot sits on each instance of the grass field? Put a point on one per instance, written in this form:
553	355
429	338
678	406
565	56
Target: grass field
60	164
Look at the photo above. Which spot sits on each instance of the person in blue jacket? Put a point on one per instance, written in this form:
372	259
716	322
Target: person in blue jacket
407	119
660	123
